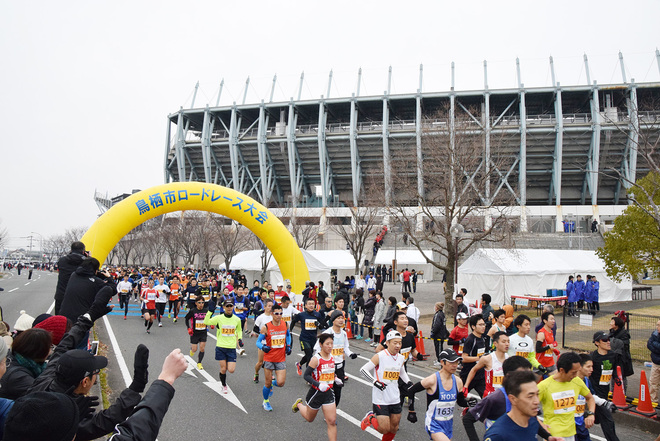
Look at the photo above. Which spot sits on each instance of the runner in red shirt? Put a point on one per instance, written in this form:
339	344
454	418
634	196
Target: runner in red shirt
546	346
275	341
149	295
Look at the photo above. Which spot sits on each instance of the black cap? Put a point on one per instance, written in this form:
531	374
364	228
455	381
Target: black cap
335	315
228	302
42	416
77	364
449	355
601	335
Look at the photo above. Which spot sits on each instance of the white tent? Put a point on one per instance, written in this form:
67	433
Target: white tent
502	273
249	263
340	260
412	259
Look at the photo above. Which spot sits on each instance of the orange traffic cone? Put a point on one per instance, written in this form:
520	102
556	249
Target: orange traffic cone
618	396
644	405
420	345
349	334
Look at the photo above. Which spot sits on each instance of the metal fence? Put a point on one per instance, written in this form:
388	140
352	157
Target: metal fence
577	332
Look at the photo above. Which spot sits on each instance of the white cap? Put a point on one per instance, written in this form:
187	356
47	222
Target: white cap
393	334
461	315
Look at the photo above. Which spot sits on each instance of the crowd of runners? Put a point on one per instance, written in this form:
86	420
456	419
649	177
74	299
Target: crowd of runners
512	380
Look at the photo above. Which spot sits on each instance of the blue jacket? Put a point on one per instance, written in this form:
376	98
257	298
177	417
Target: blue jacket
579	289
654	346
596	286
570	292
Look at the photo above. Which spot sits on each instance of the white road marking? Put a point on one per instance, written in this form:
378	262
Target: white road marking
12	290
52	306
599	438
215	385
27	284
357	422
123	367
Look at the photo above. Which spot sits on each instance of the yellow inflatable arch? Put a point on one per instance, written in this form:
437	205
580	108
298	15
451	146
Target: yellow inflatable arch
117	222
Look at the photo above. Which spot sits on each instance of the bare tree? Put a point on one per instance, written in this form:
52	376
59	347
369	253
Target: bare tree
169	235
3	237
140	248
361	230
187	235
56	246
465	197
232	238
75	234
154	244
305	233
124	248
266	255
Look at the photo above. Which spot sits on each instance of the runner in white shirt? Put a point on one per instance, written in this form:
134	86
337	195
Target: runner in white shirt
288	311
522	344
124	289
413	311
259	323
492	365
162	298
388	368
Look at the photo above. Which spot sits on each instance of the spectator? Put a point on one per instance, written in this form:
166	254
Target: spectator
5	404
29	352
406	280
572	296
413	311
391	309
23	323
580	288
620	343
413	279
508	319
379	318
439	331
321	293
57	325
487	310
459	306
5	335
368	319
654	346
67	265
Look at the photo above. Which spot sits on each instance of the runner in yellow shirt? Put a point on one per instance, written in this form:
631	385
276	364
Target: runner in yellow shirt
229	332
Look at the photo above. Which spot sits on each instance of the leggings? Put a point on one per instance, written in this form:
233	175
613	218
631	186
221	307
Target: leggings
309	353
339	373
438	345
123	303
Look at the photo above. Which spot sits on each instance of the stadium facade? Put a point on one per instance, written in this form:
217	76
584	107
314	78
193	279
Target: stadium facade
315	154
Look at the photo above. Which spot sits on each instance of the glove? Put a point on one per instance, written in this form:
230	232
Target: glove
465	392
472	402
354	356
409	385
420	357
610	406
212	306
240	342
190	331
100	306
554	344
86	405
323	387
412	416
140	369
556	351
380	385
543	370
265	348
288	349
338	381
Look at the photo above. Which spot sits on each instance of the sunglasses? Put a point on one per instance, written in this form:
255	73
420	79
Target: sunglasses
277	313
201	301
605	340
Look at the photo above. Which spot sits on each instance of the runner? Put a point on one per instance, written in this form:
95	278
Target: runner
161	299
559	393
288	311
279	293
605	363
205	291
191	293
458	335
197	330
320	374
275	341
149	295
173	307
241	308
339	349
259	323
473	349
385	397
310	320
440	404
492	365
229	333
124	289
521	343
546	345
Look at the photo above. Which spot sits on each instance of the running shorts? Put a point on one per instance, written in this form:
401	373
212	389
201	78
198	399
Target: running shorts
228	354
275	366
315	398
198	337
387	409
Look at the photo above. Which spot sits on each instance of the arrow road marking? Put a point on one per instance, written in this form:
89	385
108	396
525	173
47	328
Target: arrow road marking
215	385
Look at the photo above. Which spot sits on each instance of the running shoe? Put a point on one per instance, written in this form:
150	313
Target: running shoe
241	352
174	320
169	315
160	325
267	406
192	354
357	337
256	378
295	405
225	390
200	367
366	421
298	368
367	340
148	332
124	317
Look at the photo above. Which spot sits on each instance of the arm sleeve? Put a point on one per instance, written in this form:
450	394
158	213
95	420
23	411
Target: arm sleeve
403	374
468	424
366	370
531	357
543	433
540	348
260	341
288	338
294	320
188	317
308	377
347	350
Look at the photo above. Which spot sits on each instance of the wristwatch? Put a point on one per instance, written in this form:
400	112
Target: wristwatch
588	413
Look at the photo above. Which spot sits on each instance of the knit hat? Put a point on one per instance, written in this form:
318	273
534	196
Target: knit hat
335	315
56	325
24	322
4	349
42	416
40	318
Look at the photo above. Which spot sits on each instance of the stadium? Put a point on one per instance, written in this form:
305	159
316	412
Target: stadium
315	154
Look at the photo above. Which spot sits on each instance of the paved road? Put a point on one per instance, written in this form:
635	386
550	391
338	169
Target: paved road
199	412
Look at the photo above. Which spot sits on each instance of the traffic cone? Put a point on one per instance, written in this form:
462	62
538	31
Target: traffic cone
420	345
644	405
618	396
349	334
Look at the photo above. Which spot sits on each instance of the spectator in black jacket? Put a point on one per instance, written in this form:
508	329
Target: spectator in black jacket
321	294
29	352
66	266
620	343
439	330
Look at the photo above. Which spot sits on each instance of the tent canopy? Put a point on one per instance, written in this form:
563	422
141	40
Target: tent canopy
502	273
403	257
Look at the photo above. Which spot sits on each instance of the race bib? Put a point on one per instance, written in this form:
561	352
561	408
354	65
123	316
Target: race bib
605	377
175	291
124	290
460	349
481	352
327	378
579	407
564	402
497	381
286	318
310	324
238	307
444	410
522	354
337	352
406	353
548	353
277	342
200	326
391	375
228	330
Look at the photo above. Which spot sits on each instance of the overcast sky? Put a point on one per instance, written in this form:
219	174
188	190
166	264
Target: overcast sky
86	86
